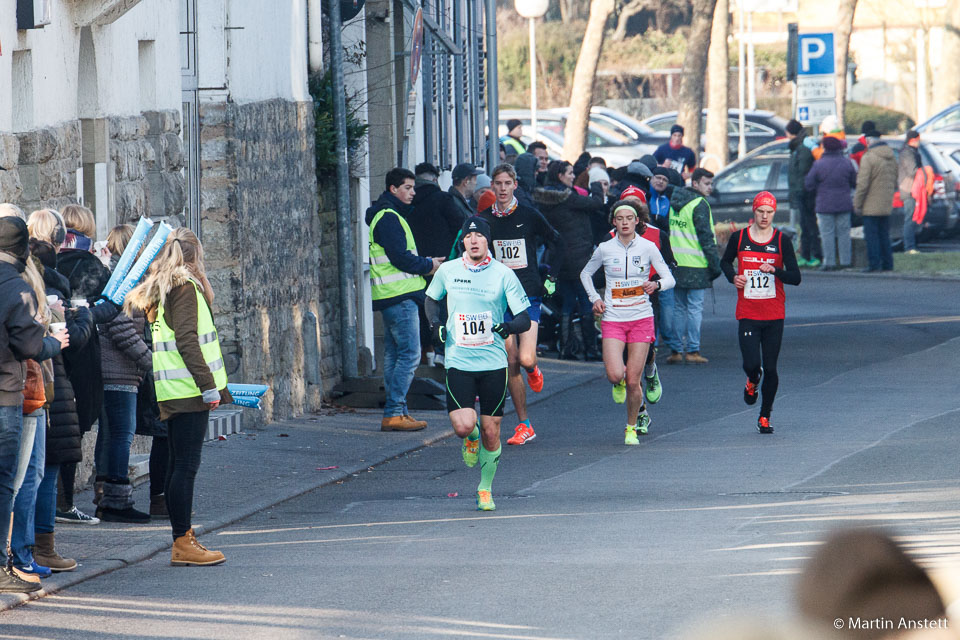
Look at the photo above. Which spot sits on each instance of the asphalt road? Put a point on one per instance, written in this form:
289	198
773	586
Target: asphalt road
592	539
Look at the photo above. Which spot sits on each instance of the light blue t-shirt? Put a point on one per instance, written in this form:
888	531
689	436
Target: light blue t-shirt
476	301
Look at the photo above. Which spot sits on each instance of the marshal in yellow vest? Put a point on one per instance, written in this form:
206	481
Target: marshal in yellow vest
386	281
172	379
683	237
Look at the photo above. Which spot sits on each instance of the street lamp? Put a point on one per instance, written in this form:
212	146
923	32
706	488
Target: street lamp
532	9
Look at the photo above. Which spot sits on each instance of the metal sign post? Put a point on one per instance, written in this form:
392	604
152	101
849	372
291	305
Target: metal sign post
816	86
416	50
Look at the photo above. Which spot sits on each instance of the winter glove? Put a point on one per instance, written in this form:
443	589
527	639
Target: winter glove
550	285
438	334
502	330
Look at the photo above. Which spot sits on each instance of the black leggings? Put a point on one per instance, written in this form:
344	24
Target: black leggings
185	432
760	345
159	452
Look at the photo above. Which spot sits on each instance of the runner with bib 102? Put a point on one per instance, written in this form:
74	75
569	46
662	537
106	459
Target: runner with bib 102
765	261
516	231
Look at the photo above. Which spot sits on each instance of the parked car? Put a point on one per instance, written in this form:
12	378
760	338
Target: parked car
617	145
943	129
765	169
760	127
620	125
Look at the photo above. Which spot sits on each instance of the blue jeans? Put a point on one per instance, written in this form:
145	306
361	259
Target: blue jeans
667	333
118	422
876	231
910	228
687	316
401	354
11	424
575	298
24	507
47	500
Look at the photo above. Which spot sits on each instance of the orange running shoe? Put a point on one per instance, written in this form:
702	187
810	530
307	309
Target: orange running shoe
535	379
523	434
763	425
750	392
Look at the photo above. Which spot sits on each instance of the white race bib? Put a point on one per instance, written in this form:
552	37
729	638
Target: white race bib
474	329
627	293
512	253
760	285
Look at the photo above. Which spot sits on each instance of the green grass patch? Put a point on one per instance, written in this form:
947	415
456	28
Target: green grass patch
928	264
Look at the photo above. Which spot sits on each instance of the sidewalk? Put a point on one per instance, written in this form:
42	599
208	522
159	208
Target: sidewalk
258	468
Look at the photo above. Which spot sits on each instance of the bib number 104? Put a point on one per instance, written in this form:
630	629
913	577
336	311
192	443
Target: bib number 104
474	329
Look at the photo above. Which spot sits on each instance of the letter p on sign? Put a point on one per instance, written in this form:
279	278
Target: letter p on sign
816	54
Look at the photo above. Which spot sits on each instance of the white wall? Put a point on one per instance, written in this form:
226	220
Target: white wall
266	46
55	51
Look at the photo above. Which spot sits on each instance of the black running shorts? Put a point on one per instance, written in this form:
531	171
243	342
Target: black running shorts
463	388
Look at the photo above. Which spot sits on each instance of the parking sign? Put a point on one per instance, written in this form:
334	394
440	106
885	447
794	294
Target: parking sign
816	85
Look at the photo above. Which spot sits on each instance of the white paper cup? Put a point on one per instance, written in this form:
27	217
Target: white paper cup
57	327
79	302
52	299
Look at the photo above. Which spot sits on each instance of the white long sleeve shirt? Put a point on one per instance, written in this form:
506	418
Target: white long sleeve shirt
626	269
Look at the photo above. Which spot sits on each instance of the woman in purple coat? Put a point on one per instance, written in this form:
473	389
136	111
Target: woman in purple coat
832	177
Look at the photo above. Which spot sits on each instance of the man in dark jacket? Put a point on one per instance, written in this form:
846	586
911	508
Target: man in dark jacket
464	178
698	263
21	339
526	166
831	178
801	159
434	216
397	284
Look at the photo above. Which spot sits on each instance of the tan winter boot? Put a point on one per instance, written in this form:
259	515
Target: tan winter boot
45	553
188	552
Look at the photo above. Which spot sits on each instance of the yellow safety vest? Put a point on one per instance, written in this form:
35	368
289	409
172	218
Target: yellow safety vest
172	379
683	237
386	281
509	142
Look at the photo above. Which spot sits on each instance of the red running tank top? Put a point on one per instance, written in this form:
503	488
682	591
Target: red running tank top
762	298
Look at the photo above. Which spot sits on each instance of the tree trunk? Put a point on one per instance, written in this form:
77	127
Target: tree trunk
841	43
946	89
581	92
631	9
694	69
718	101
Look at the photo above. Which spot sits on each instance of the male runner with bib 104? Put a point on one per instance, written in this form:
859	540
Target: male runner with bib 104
765	261
515	230
626	260
479	291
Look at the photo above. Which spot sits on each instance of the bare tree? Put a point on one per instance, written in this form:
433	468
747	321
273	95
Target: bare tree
717	102
844	27
694	68
946	89
581	92
629	10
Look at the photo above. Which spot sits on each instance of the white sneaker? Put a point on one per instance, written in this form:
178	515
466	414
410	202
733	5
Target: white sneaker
438	360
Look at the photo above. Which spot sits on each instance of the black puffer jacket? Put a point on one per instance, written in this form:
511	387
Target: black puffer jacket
63	431
87	277
434	219
125	356
573	216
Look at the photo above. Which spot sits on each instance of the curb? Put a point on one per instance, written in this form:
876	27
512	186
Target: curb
59	581
887	275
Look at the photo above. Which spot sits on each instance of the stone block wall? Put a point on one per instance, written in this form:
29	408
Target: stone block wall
43	171
146	154
261	236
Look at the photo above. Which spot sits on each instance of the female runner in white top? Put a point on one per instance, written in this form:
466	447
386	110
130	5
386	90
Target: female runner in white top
627	313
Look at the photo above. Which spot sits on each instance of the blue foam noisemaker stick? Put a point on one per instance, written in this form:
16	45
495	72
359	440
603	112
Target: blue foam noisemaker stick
128	256
142	264
247	390
247	401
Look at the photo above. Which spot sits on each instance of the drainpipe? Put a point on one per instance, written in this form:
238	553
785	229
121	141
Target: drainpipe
493	98
315	36
345	243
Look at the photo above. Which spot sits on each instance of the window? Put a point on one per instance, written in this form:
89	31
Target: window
949	122
752	177
750	128
22	90
663	124
617	129
783	183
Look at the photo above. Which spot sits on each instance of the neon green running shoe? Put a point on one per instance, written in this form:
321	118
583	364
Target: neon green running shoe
471	451
643	423
485	501
630	436
652	389
620	392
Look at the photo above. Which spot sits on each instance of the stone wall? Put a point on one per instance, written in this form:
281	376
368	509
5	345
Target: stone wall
147	157
261	237
44	173
330	365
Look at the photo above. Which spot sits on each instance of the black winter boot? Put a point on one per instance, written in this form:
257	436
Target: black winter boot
567	344
117	503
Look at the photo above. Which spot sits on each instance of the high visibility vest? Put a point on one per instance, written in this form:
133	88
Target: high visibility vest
386	281
683	237
511	143
172	379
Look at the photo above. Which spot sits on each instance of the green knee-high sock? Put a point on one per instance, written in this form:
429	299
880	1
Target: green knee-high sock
488	467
